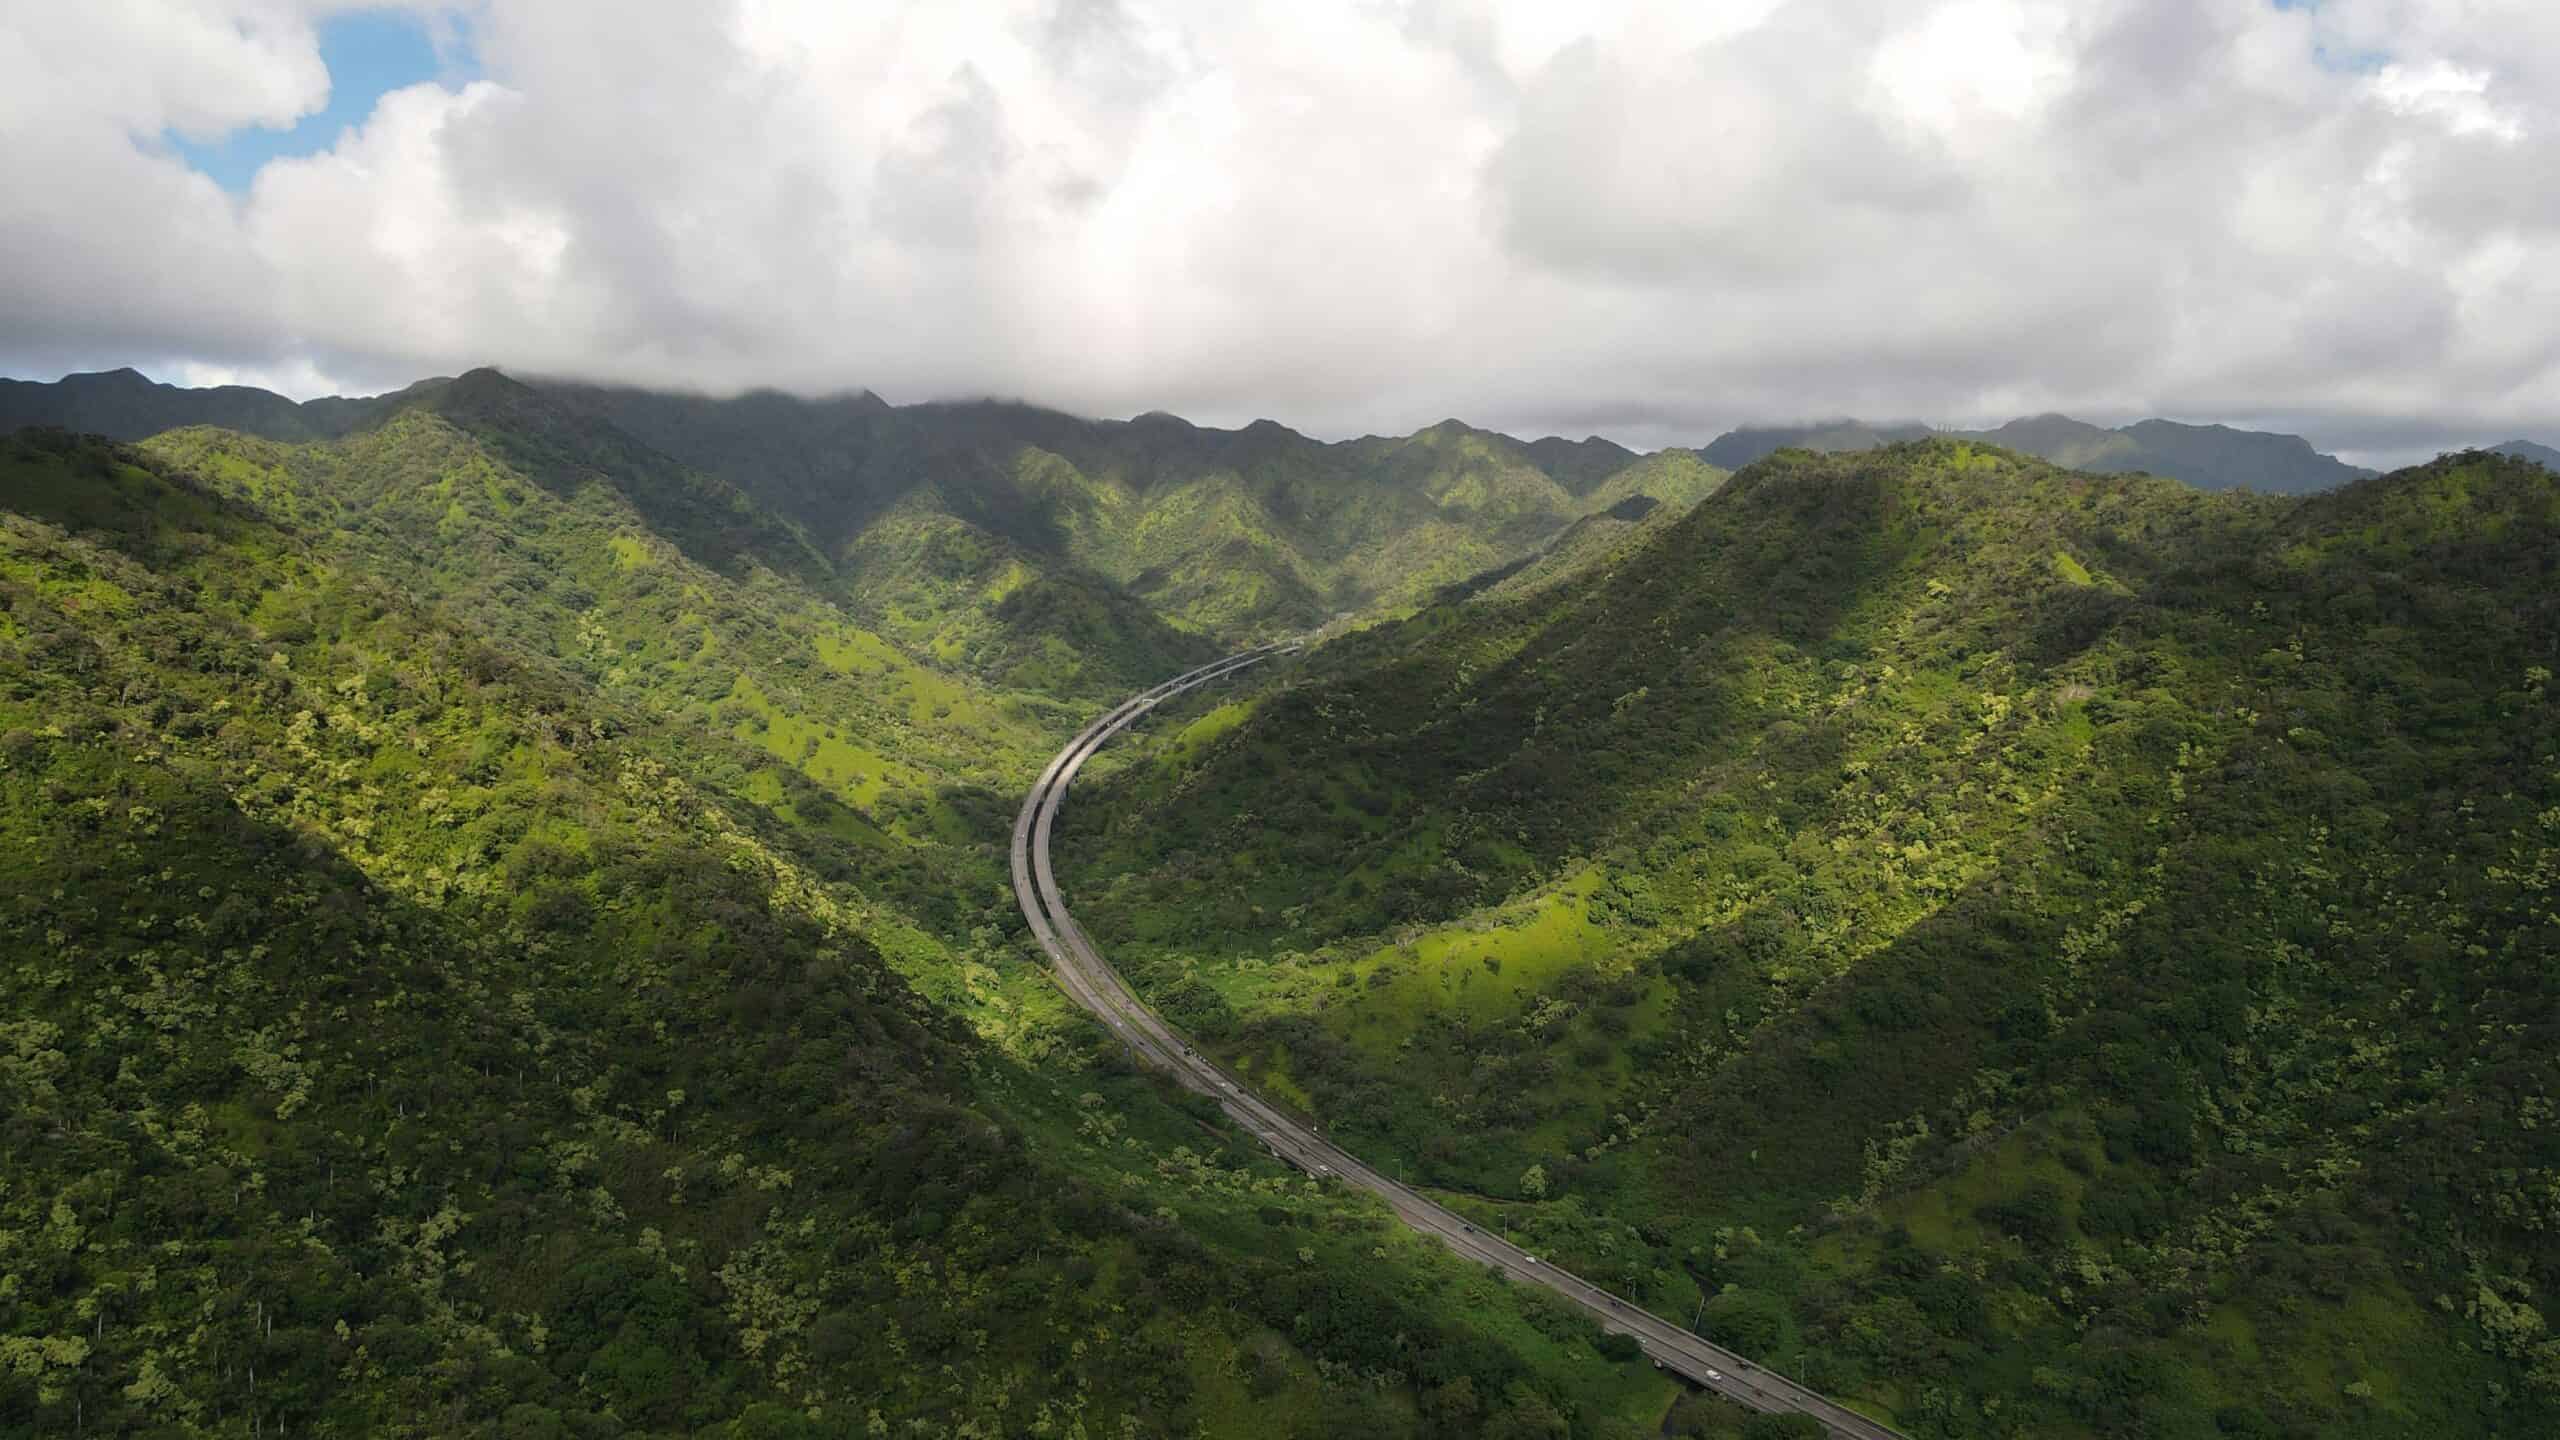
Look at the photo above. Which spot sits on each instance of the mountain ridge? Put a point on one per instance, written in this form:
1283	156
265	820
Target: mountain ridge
1996	859
126	404
2542	455
454	964
2209	457
1025	541
1979	937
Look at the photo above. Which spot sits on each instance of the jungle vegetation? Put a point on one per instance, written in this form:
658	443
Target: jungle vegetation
1035	550
2044	953
2210	457
506	930
491	946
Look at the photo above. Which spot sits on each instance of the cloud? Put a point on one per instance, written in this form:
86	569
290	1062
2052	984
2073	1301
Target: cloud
1655	219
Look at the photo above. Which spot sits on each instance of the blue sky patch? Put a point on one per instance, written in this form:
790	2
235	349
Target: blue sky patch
369	54
2354	62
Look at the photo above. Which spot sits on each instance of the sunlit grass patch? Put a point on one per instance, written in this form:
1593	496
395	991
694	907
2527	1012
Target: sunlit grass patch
856	772
1487	970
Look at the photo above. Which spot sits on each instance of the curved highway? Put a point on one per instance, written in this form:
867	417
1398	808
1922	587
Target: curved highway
1080	969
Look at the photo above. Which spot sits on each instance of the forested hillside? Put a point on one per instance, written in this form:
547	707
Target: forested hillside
2539	454
1238	534
2210	457
489	950
1035	550
512	935
2055	954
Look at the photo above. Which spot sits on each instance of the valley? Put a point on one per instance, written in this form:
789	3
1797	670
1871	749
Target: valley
537	934
1432	720
1917	874
1099	989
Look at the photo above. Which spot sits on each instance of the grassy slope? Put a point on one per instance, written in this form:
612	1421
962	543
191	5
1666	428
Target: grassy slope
2042	945
413	1027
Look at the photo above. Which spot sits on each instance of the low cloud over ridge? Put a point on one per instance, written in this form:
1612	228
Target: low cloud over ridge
1653	221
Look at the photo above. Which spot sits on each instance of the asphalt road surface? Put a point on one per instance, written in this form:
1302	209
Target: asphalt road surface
1079	968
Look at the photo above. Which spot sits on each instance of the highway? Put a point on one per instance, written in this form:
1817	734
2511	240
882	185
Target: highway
1081	971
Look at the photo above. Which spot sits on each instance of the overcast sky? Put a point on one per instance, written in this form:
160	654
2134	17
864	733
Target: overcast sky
1651	221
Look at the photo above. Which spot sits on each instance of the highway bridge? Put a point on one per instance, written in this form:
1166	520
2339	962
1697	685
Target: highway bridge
1080	969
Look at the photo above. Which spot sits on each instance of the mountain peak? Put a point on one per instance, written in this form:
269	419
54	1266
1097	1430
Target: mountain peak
1579	465
2538	453
2049	420
479	386
122	377
1597	443
484	396
2210	457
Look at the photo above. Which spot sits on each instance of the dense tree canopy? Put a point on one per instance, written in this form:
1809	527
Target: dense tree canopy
432	1003
508	932
2037	950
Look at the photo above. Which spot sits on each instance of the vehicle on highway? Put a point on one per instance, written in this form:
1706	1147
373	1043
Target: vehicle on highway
1088	979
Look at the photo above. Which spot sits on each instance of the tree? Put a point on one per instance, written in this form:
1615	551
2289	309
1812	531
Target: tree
1783	1427
1751	1321
1527	1415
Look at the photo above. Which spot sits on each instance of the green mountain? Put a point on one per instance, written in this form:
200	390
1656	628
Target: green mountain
127	405
1617	515
1736	448
1236	534
1580	465
2043	953
666	589
508	932
2542	455
1032	549
2218	457
493	947
1677	478
1590	541
2072	444
2211	457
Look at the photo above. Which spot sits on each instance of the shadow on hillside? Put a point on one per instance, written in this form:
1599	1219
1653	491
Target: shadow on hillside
564	449
89	485
1631	676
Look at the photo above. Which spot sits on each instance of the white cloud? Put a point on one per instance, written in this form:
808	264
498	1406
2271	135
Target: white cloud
2456	98
296	377
1650	218
1971	66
